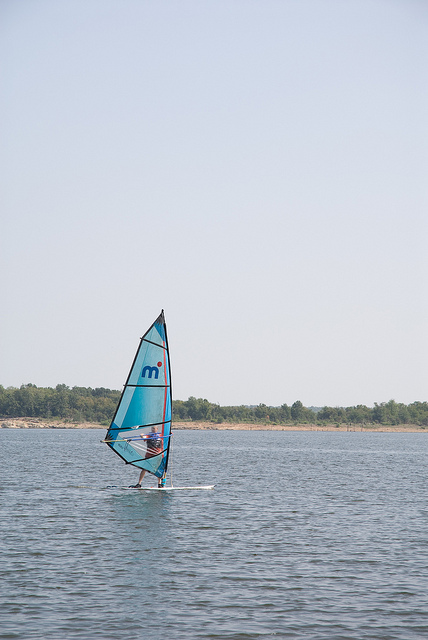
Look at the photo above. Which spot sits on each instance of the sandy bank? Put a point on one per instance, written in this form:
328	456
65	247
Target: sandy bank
296	427
42	423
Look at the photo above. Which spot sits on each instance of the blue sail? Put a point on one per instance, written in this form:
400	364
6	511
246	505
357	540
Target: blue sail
140	431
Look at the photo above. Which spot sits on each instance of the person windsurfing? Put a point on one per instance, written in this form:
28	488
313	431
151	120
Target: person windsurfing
154	448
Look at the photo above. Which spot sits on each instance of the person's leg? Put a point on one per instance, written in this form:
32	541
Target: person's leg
138	485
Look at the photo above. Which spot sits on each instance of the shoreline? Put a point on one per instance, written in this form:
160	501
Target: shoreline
46	423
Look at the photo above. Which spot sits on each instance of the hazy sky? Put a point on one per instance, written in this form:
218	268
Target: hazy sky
258	169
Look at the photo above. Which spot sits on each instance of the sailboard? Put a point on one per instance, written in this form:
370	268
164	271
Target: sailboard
140	431
171	488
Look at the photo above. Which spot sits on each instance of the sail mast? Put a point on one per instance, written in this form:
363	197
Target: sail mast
170	391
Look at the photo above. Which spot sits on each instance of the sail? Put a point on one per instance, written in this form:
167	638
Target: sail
140	431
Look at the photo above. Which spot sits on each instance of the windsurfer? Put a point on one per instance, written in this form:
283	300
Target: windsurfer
154	447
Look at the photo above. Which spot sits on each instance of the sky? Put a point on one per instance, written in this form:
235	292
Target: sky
256	168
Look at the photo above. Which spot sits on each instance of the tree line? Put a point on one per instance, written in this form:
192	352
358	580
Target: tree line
78	404
385	413
84	404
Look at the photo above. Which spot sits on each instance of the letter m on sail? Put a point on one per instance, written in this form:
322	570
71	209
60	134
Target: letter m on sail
150	371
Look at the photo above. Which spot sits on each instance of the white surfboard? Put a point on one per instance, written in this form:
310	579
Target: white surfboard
211	486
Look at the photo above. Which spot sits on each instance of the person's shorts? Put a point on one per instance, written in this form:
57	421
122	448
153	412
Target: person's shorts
152	452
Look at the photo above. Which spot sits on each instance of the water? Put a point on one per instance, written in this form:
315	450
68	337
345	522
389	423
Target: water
313	535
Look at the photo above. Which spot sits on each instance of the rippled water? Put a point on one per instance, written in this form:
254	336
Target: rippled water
312	535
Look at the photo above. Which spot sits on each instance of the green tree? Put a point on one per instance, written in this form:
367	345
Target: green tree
297	411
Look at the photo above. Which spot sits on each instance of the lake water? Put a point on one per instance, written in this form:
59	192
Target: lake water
313	535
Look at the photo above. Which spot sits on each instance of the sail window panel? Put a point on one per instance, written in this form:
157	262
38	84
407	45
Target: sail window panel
138	436
131	455
137	449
